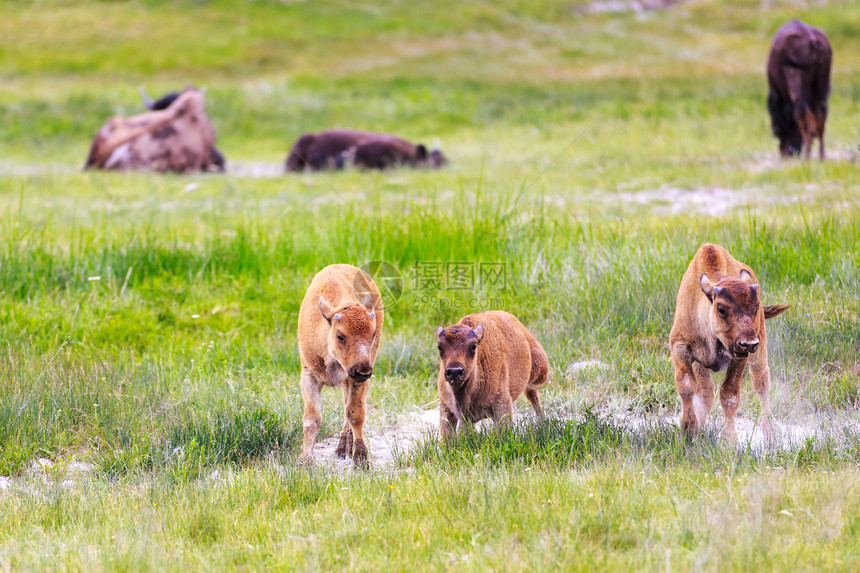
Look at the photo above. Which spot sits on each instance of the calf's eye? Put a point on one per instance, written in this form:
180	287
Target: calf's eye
722	311
341	338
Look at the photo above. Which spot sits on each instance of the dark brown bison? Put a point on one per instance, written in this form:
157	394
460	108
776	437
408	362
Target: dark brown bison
719	325
798	75
488	360
176	136
336	149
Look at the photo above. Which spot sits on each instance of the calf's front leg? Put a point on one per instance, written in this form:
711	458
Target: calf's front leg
685	383
312	418
355	411
730	396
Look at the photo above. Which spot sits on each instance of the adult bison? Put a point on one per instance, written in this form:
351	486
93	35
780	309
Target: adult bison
340	328
335	149
488	360
798	75
177	136
719	325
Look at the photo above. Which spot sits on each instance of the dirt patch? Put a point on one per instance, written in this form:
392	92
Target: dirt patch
619	6
43	474
255	169
384	444
713	201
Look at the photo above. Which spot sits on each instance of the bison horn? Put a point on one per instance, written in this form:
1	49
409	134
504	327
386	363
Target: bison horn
337	316
146	100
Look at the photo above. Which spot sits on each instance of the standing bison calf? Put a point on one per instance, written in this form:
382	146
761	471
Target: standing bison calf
340	327
798	77
488	359
719	325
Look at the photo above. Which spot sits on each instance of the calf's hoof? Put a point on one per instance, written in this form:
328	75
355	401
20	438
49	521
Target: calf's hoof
730	435
765	429
344	445
306	459
359	455
690	427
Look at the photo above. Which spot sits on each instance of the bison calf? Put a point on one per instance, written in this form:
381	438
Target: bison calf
798	77
719	325
340	327
488	359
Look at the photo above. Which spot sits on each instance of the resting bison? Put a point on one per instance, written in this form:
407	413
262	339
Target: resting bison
798	75
340	327
177	137
488	359
719	325
335	149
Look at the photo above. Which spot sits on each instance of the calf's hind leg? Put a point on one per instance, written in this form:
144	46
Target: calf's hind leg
537	378
534	399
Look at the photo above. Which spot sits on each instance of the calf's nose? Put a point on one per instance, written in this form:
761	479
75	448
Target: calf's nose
749	346
454	373
361	372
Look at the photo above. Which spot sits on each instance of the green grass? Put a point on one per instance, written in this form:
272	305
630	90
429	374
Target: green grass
148	323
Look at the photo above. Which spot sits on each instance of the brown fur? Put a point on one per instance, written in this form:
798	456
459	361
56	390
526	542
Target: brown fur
703	340
179	138
336	148
342	300
798	75
498	359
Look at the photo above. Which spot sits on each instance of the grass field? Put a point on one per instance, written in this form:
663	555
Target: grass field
148	322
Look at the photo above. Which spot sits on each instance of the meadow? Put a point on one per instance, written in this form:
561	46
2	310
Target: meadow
150	414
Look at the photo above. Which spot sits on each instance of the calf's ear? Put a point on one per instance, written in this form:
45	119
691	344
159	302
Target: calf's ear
440	334
421	151
326	309
367	303
479	332
747	277
707	286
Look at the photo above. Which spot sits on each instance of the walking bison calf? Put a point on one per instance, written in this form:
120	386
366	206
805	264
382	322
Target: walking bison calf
340	327
719	325
177	136
336	149
488	360
798	76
